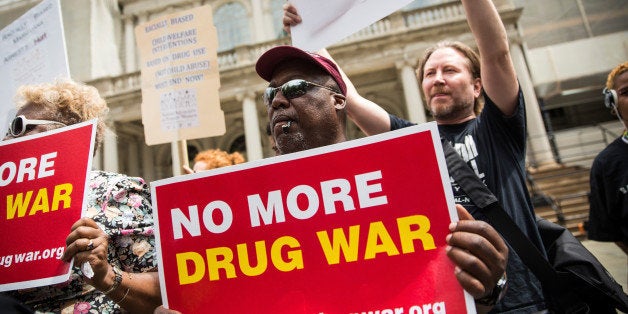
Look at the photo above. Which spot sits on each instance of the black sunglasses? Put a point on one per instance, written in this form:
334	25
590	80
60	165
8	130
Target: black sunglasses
20	124
292	89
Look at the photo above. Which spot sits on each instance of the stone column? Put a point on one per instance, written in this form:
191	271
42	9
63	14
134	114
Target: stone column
130	57
411	92
258	22
133	158
540	151
110	151
97	160
148	164
251	126
105	60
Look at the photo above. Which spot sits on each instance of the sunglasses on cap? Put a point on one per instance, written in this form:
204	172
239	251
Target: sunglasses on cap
292	89
20	124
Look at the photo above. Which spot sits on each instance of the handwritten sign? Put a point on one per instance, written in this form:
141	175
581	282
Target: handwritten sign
180	79
43	181
355	227
32	51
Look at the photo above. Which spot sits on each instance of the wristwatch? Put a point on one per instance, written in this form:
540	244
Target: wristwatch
497	294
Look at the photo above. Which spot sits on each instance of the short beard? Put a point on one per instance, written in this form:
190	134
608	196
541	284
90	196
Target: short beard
450	112
290	143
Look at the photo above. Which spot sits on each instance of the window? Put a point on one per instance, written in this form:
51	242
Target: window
233	26
238	145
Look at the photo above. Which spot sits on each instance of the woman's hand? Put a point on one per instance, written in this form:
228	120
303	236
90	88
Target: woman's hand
88	243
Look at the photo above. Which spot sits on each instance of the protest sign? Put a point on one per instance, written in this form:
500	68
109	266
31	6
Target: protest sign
326	22
32	49
180	79
354	227
43	180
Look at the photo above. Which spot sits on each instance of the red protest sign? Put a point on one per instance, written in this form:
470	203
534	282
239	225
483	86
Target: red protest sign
349	228
42	187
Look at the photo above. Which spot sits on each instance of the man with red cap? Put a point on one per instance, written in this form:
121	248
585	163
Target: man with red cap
306	101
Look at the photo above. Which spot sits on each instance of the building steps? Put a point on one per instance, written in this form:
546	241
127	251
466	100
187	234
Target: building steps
561	195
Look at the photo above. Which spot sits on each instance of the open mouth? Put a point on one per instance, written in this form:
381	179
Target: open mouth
282	124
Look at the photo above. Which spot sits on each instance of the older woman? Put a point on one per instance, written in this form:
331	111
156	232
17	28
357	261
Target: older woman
116	235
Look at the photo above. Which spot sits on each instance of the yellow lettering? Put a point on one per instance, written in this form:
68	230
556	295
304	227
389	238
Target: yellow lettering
379	241
40	203
295	257
62	194
340	244
245	264
225	262
182	266
20	205
407	235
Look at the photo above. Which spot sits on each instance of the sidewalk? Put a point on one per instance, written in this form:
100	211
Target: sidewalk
613	258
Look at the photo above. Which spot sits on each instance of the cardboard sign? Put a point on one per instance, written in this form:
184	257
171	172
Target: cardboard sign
180	78
32	50
43	180
356	227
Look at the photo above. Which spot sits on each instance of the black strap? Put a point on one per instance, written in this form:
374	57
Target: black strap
499	219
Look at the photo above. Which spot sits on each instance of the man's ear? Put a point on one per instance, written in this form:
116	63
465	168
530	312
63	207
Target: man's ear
341	101
477	87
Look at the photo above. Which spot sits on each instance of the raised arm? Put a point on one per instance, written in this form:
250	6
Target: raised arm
367	115
498	73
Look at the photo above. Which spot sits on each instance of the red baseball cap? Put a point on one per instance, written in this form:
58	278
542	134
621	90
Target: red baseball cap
270	59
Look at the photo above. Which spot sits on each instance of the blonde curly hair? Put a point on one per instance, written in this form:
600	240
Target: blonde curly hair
70	102
216	158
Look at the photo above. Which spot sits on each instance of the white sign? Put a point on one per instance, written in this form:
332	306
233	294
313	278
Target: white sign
180	77
32	51
326	22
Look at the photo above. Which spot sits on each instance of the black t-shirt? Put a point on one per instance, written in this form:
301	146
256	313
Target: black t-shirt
494	147
608	216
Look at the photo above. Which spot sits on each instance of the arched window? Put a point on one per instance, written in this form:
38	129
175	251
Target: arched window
238	145
232	25
276	8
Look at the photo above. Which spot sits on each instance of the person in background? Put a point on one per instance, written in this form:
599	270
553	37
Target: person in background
608	216
115	238
479	108
213	158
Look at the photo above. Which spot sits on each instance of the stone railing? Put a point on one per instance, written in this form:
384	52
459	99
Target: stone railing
436	15
117	85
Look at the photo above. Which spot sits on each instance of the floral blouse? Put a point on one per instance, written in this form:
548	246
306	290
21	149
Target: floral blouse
121	207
